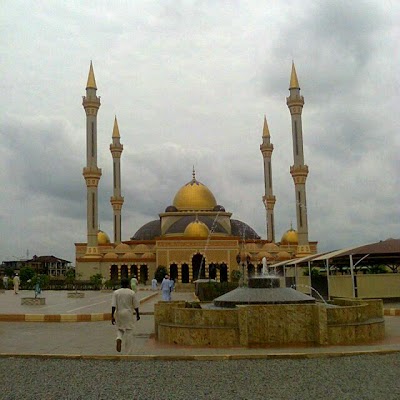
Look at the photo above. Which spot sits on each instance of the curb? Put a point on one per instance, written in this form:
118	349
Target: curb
392	312
95	317
205	357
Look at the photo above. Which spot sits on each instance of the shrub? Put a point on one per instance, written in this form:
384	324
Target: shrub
208	291
96	281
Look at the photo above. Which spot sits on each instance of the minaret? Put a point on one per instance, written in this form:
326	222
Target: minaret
268	199
298	170
91	173
116	200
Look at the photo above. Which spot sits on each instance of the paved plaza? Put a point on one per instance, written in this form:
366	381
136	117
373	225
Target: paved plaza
54	348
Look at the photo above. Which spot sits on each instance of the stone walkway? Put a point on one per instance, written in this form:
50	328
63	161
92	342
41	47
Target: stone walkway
96	339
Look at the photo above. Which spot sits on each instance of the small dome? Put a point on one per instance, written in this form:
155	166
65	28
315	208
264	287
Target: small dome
197	229
290	237
265	254
122	248
141	248
270	247
148	255
194	196
283	255
219	208
102	237
110	255
171	209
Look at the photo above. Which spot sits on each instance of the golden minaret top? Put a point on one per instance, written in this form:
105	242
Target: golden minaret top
115	133
265	129
91	82
294	83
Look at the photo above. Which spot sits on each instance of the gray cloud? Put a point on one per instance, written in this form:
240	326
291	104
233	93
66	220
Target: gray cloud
190	83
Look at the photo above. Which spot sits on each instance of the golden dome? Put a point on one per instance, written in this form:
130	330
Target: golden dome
102	237
194	196
197	229
290	237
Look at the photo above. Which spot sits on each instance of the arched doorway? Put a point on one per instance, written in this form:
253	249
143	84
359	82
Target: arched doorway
114	273
259	269
212	271
124	271
134	270
185	273
250	270
223	273
198	265
173	272
144	274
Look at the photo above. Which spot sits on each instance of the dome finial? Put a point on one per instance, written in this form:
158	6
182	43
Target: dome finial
194	174
294	83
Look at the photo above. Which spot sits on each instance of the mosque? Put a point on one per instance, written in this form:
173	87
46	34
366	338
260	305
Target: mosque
194	237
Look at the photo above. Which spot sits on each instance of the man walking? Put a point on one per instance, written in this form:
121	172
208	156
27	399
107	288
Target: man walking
134	283
123	306
166	289
16	282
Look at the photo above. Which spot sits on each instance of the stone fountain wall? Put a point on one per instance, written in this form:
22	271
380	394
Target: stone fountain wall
270	325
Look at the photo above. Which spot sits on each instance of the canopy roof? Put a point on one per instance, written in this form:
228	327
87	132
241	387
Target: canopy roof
383	252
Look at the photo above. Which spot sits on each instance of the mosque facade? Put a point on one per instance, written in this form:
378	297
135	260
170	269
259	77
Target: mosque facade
194	237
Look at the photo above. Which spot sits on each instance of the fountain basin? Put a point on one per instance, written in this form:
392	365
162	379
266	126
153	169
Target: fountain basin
262	290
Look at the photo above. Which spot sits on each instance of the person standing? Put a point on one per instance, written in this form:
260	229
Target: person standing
5	282
16	282
166	288
124	305
154	284
134	283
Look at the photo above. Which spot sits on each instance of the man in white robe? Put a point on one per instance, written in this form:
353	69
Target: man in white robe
16	283
154	284
166	288
123	307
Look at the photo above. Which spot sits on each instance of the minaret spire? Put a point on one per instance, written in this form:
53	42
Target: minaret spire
91	173
268	199
116	200
91	82
298	170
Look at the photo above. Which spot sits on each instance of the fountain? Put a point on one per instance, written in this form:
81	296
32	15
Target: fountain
264	314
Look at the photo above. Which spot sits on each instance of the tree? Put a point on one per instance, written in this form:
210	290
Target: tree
160	273
26	274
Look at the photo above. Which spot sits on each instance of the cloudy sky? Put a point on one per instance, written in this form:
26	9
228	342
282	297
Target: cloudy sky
190	83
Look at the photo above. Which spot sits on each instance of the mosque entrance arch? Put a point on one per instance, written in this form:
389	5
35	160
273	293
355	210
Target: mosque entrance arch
198	266
124	271
144	274
223	273
134	270
250	270
173	272
212	271
114	272
185	273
